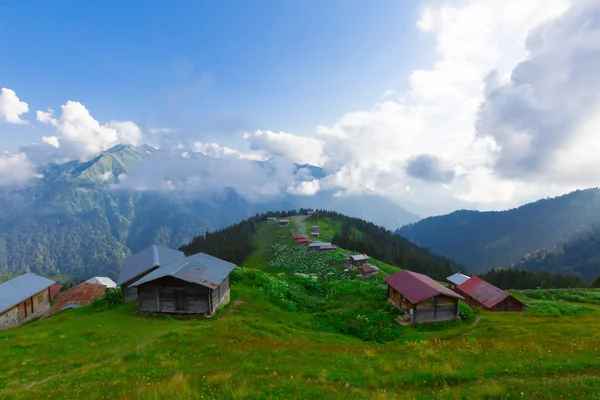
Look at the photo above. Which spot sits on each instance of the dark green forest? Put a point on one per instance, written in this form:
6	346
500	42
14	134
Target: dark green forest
512	278
485	240
377	242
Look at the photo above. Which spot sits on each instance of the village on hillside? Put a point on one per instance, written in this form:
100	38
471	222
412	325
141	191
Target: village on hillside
164	280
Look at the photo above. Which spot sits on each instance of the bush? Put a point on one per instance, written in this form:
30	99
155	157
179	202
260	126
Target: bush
554	308
112	298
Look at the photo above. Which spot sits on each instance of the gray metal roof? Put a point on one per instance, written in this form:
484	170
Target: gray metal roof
319	244
458	278
153	256
200	268
315	226
359	257
21	288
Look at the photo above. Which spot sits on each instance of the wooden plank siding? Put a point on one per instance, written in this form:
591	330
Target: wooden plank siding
176	296
437	308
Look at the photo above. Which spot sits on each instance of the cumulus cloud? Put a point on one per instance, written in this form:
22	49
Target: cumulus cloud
15	169
545	117
11	107
300	149
216	150
429	168
84	137
51	140
305	188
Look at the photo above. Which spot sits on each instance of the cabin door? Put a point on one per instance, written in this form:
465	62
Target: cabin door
181	302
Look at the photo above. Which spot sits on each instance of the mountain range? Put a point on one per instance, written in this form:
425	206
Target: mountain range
85	217
556	234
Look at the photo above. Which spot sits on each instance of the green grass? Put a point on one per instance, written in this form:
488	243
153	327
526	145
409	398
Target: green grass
290	336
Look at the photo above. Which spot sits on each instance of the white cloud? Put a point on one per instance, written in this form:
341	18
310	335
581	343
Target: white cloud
11	107
15	169
158	131
107	176
51	140
299	149
305	188
216	150
82	136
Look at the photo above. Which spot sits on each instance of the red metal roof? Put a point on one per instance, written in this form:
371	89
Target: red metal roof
299	237
55	290
417	287
482	291
78	296
365	269
302	240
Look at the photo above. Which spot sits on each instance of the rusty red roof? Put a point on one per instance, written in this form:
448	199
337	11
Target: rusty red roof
417	287
365	269
302	240
80	295
55	290
482	291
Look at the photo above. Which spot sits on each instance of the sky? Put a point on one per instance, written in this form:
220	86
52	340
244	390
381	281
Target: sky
433	104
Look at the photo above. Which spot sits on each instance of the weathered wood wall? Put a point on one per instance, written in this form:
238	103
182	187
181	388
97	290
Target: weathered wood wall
29	309
171	295
437	308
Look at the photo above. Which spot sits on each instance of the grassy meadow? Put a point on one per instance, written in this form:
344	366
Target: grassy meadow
287	334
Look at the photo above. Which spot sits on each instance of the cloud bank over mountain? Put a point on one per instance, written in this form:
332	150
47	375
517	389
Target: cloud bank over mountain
508	111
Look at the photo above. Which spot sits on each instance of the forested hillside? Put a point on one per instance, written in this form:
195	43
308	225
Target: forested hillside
513	278
580	256
484	240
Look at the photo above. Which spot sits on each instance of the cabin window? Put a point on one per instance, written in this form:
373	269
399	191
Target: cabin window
180	300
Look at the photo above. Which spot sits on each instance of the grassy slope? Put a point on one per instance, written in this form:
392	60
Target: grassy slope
256	349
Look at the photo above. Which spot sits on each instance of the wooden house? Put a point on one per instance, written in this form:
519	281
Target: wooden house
142	263
196	285
421	298
314	231
479	293
355	261
23	299
367	270
456	279
302	240
323	247
78	296
284	222
271	219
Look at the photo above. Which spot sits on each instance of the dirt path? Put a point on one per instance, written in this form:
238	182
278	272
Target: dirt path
301	224
476	321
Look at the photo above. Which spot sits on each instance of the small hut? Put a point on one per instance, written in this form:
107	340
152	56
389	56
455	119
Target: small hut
367	271
271	219
24	298
314	231
283	221
356	261
421	298
197	285
479	293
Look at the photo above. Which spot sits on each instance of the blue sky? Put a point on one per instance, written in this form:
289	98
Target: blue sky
210	68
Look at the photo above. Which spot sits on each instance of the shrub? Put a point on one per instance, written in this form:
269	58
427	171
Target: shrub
554	308
112	298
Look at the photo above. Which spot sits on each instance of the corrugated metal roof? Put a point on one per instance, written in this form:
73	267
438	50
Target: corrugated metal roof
320	244
54	291
78	296
359	257
150	257
458	278
21	288
482	291
102	280
368	268
200	268
417	287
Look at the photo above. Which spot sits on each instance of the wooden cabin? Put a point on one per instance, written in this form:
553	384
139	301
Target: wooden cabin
456	279
283	221
196	285
141	264
421	298
323	247
367	271
355	261
314	231
24	298
479	293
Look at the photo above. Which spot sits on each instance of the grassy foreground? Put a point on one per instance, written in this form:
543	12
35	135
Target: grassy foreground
267	347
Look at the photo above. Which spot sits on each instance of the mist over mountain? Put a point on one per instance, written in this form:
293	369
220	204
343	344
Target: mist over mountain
484	240
84	217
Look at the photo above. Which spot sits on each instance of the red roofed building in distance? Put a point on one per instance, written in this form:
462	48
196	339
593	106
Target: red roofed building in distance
78	296
302	240
422	298
479	293
54	291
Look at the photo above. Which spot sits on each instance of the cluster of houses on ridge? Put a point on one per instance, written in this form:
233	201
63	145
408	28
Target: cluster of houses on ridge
424	300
